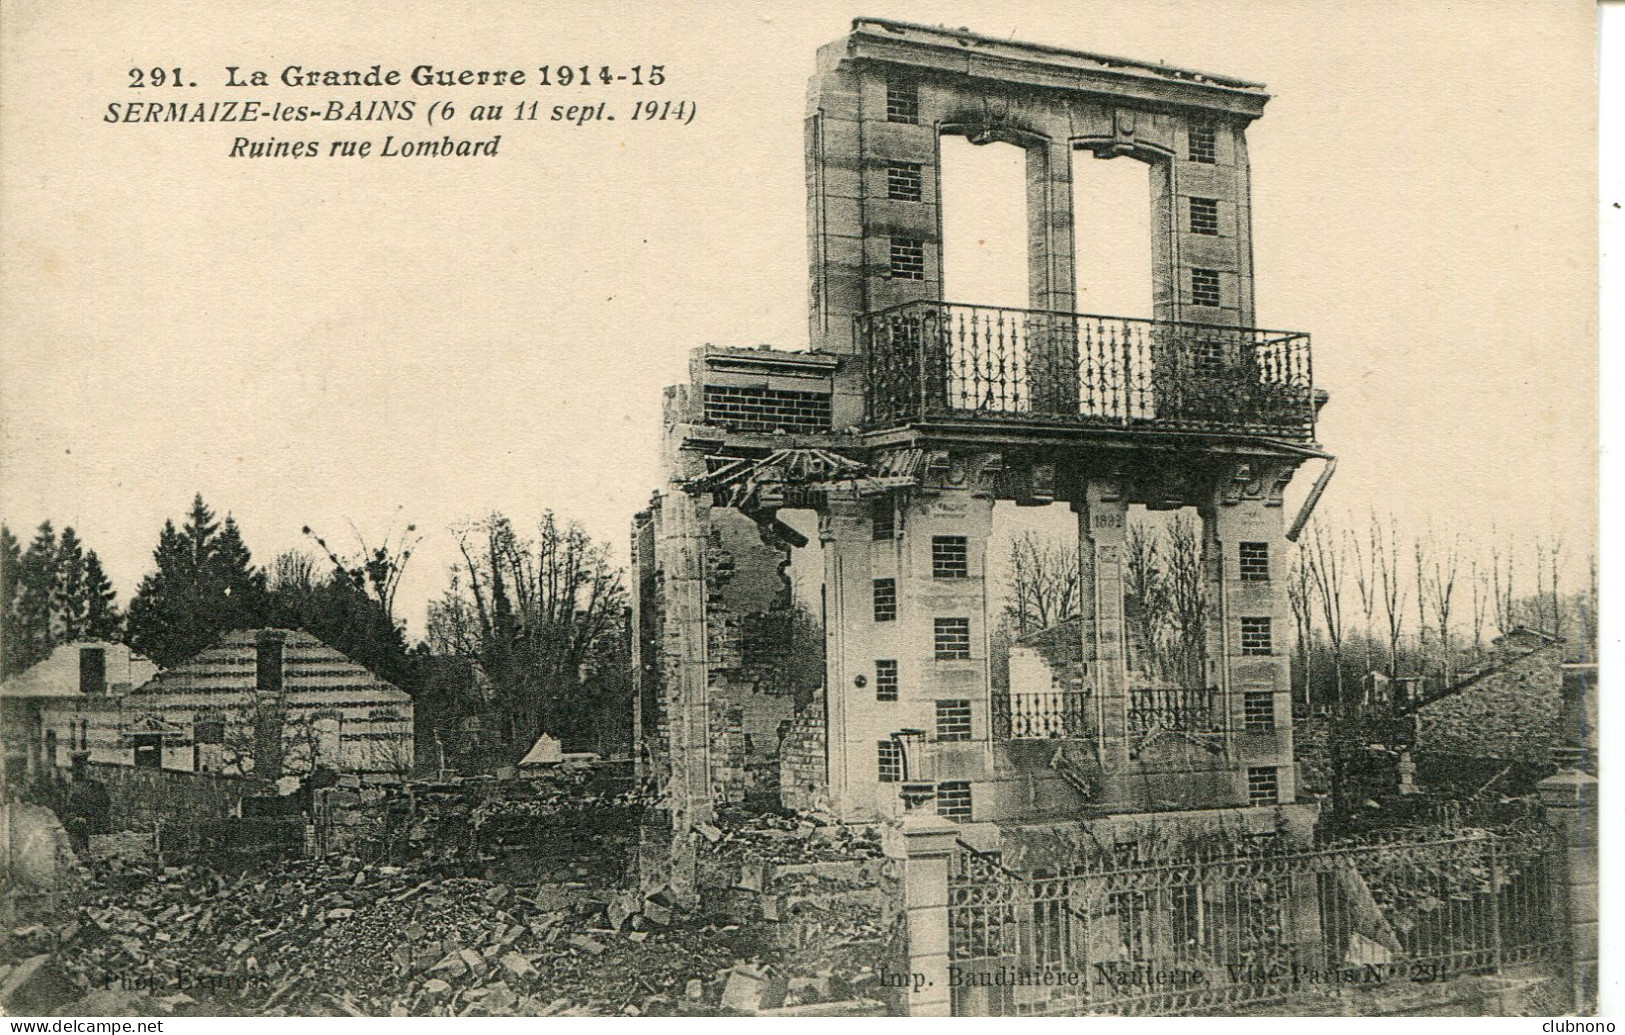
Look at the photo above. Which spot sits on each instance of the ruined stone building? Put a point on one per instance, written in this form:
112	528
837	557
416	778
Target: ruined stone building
910	416
84	671
267	702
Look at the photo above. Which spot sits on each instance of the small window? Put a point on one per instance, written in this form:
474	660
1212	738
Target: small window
886	680
1205	216
1258	711
1255	562
950	557
903	181
907	258
1205	287
1255	636
891	761
1263	786
953	720
902	102
883	518
952	638
953	800
885	600
1207	356
1201	139
209	731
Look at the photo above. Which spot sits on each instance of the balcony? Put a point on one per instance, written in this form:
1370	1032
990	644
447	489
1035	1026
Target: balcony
945	361
1043	715
1182	709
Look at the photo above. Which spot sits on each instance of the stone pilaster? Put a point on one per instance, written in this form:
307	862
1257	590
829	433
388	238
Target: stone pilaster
1569	801
928	847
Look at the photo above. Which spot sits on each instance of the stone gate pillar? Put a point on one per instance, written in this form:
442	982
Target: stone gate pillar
1569	801
927	848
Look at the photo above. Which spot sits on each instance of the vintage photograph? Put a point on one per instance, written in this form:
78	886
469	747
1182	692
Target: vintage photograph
593	509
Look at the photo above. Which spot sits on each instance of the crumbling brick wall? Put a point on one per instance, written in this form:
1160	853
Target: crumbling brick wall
803	766
748	623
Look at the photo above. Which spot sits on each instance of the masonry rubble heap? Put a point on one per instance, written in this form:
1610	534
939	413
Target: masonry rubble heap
461	927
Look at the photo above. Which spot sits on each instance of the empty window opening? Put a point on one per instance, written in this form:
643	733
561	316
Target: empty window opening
1205	287
886	680
1204	216
890	760
883	518
950	557
1255	636
907	258
1202	143
984	223
1255	562
885	600
1165	611
953	720
953	800
952	638
903	181
1258	711
1111	205
1263	786
902	102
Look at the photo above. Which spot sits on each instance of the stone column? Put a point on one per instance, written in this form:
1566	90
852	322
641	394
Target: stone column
1569	801
927	849
1102	527
685	678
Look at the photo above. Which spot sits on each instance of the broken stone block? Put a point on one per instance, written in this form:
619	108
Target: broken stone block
744	990
451	964
517	965
694	989
581	941
657	914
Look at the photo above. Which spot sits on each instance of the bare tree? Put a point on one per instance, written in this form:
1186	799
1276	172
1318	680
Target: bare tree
1300	592
1480	602
536	612
1503	574
1441	589
1365	585
1187	600
1390	587
1325	563
1043	584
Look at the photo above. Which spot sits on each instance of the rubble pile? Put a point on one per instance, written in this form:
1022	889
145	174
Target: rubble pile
346	938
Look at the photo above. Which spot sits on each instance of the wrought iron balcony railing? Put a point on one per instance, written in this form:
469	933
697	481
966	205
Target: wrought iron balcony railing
945	360
1186	709
1046	715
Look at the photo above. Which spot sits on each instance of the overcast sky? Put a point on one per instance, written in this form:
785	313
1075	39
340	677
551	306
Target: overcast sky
392	340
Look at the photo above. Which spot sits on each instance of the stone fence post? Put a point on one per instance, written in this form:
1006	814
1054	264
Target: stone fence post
1569	801
927	848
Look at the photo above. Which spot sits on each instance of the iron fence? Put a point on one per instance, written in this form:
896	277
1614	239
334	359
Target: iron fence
1186	709
946	360
1214	931
1045	715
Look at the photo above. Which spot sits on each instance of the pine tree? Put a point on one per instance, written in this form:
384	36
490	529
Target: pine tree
205	585
37	575
69	600
231	569
11	564
102	618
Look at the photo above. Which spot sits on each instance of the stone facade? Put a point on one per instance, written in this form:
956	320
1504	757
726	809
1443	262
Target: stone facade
903	437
